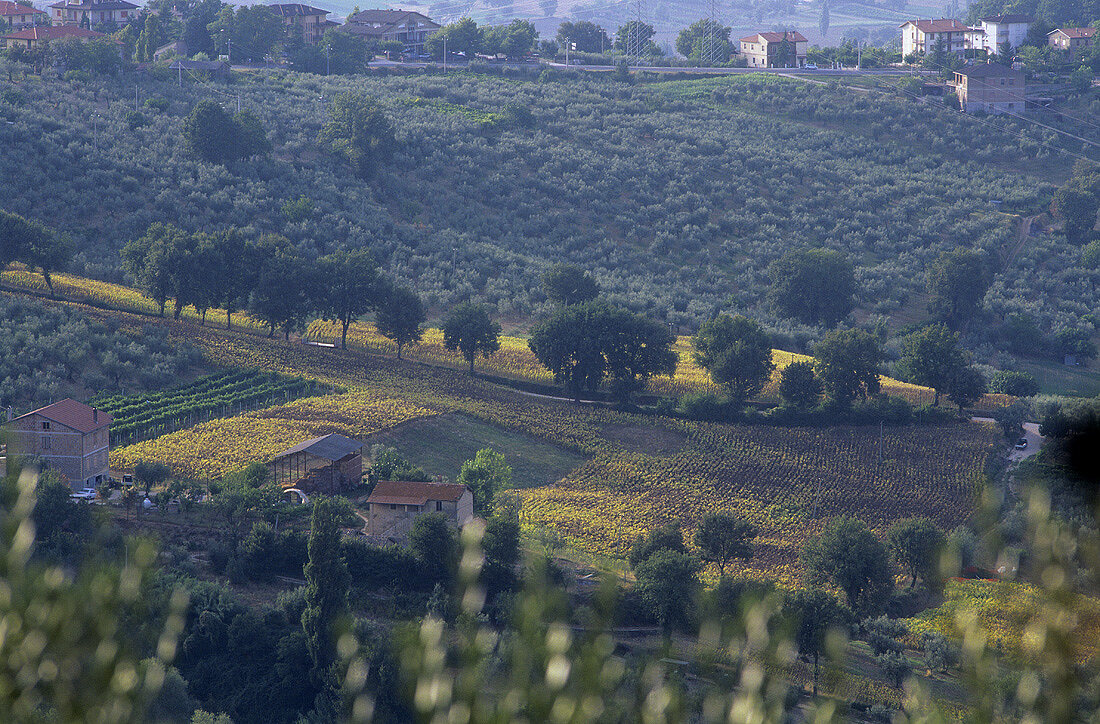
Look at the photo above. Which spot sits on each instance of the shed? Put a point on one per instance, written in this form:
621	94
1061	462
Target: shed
394	505
326	464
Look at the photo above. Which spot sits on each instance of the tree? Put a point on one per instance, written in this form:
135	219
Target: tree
636	36
799	386
567	284
814	286
931	357
326	610
702	36
463	36
1014	383
737	353
1077	210
469	330
150	39
1012	418
249	137
515	40
232	276
485	476
350	287
957	282
723	537
847	360
589	37
668	582
156	260
435	544
282	294
501	544
584	343
814	613
966	387
916	544
208	131
356	129
33	244
399	316
148	475
665	537
849	555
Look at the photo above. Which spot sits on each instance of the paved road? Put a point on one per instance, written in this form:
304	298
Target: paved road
838	72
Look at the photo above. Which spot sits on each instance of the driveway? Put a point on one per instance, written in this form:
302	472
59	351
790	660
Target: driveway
1035	441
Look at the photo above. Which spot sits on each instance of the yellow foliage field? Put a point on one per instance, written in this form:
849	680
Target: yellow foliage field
212	449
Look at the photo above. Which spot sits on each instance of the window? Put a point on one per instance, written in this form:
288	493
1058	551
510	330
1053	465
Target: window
439	505
393	506
46	440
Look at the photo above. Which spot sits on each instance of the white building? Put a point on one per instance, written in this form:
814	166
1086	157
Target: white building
921	36
992	33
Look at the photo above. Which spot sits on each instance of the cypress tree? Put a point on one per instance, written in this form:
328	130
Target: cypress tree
327	582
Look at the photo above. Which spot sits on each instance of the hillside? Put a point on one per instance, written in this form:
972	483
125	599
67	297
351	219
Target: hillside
676	194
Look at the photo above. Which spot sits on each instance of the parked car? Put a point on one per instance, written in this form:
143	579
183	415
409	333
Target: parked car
809	66
89	494
1021	444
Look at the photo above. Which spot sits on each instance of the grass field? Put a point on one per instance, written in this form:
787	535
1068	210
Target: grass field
440	445
1058	379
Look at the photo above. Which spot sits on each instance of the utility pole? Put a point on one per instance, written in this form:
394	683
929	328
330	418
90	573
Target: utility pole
567	44
135	98
179	67
95	131
444	54
238	103
328	65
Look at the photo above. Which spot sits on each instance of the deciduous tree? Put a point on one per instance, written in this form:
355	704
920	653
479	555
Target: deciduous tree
916	544
469	330
485	476
357	129
349	287
931	357
847	360
737	353
723	537
567	284
399	316
668	583
957	282
814	286
849	555
799	386
814	613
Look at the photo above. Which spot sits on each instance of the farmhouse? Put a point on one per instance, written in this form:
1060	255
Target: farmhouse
393	506
1072	39
31	38
775	50
991	88
326	464
17	15
70	437
409	28
92	12
921	36
309	22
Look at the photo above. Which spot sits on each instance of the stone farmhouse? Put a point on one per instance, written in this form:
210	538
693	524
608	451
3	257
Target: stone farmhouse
393	506
1072	39
992	88
69	437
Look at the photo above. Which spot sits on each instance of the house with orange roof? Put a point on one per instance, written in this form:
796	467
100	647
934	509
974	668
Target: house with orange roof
68	437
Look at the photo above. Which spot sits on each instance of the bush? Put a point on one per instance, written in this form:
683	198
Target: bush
136	120
705	406
158	104
1011	382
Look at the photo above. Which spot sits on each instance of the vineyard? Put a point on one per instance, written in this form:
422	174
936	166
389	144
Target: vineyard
640	470
232	392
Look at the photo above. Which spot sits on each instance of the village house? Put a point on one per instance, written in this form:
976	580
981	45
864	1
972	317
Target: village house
990	87
87	13
994	33
17	15
31	38
310	22
69	437
409	28
919	37
393	506
327	464
1071	39
775	50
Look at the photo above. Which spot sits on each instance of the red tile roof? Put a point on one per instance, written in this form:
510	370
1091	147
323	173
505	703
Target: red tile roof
1075	32
10	8
792	36
410	493
54	32
943	25
295	9
73	414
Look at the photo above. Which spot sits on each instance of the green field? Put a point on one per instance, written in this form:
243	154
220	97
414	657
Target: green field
1058	379
441	444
